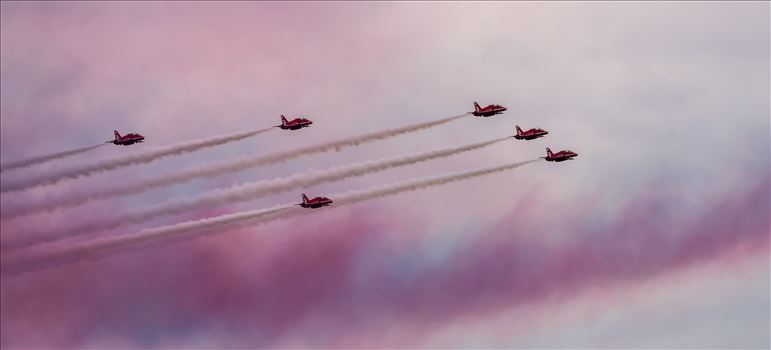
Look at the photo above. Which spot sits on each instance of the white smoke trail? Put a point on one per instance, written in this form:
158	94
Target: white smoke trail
254	190
113	245
245	192
133	159
409	186
10	265
218	168
46	158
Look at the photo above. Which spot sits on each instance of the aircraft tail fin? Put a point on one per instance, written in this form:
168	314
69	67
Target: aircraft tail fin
548	152
283	120
305	198
476	107
519	131
117	135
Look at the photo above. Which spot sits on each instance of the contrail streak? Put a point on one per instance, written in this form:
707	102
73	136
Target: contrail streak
409	186
214	169
46	158
246	192
133	159
112	245
99	248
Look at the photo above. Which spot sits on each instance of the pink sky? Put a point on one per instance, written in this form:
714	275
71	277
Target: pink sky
670	120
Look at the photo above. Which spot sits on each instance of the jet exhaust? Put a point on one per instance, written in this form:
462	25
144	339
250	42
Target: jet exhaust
133	159
106	246
248	191
409	186
91	250
218	168
46	158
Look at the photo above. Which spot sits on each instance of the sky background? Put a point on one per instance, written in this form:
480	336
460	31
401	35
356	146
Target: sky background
657	235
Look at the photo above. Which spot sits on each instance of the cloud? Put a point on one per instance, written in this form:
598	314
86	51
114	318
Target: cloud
344	272
677	112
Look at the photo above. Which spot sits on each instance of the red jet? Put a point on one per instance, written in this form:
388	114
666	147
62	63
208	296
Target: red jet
294	124
488	111
314	203
126	139
530	134
560	156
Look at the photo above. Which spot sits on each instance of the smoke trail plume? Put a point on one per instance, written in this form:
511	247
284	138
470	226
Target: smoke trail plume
46	158
255	190
103	247
409	186
133	159
250	191
245	192
113	245
218	168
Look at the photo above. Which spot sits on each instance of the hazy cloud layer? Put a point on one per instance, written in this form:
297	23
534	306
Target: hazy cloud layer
666	103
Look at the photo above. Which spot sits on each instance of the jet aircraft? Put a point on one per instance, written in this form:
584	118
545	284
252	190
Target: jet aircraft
488	111
560	156
314	203
294	124
127	139
530	134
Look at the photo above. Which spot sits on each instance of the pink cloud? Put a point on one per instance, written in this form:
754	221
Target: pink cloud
332	279
388	274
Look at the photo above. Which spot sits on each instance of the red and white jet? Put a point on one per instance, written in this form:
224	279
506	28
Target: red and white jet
530	134
294	124
126	139
314	203
488	111
560	156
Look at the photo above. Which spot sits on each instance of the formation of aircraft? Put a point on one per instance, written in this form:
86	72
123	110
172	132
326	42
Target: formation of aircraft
314	203
294	124
127	139
530	134
488	111
299	123
560	156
